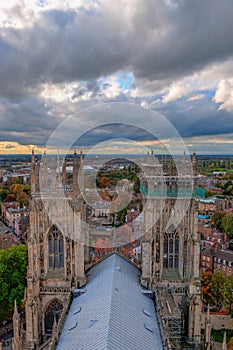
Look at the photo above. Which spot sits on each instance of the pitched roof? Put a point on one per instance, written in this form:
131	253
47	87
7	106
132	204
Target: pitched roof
225	255
114	313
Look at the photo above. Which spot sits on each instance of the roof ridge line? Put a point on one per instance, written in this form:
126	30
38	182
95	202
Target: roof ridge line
111	297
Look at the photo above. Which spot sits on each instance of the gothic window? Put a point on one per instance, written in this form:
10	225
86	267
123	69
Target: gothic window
55	249
53	311
171	249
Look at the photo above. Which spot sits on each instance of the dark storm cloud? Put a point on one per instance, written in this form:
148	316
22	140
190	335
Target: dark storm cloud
26	122
153	39
200	118
190	36
113	131
156	40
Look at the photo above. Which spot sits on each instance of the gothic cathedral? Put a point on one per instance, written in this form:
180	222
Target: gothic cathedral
58	241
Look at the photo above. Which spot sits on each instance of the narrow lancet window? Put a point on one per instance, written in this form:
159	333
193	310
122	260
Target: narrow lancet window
55	248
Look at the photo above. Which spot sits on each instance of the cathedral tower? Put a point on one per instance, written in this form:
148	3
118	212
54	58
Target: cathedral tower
55	247
170	247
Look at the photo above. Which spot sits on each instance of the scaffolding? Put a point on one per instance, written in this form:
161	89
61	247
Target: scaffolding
173	320
171	315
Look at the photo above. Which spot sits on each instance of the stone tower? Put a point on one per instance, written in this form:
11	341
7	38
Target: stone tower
56	247
170	247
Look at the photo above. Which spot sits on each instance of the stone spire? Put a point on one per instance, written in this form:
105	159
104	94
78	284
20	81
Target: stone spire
224	343
59	178
75	175
55	329
64	172
54	177
44	174
16	326
33	175
37	179
208	329
81	173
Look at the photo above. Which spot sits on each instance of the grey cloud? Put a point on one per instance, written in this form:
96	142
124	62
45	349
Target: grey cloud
27	122
113	131
202	118
156	41
191	35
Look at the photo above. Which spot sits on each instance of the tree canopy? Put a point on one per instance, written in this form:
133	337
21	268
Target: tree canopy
227	224
13	268
224	222
217	219
217	290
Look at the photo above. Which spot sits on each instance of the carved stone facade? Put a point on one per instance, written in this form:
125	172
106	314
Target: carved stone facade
56	249
170	248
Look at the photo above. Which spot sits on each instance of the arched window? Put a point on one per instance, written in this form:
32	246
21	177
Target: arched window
53	311
171	249
56	249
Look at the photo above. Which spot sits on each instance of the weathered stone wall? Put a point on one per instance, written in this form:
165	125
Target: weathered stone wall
218	321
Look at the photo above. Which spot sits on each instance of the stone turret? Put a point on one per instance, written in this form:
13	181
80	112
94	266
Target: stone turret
16	325
207	329
33	178
75	175
45	171
224	343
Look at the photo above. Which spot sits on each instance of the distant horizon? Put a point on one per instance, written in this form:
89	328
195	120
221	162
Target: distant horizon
90	57
114	154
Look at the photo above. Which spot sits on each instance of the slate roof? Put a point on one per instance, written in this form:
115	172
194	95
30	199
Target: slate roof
113	313
224	255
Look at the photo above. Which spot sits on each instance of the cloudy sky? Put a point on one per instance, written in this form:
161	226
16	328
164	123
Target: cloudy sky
172	56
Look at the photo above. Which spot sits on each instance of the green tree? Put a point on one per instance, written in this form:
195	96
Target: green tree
228	293
3	194
16	189
218	289
13	268
227	224
17	180
217	219
209	193
27	189
22	198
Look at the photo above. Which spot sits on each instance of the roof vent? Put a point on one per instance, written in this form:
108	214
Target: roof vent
78	310
118	268
73	326
147	313
148	327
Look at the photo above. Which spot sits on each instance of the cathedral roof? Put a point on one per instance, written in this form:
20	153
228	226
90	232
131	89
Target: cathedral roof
112	312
